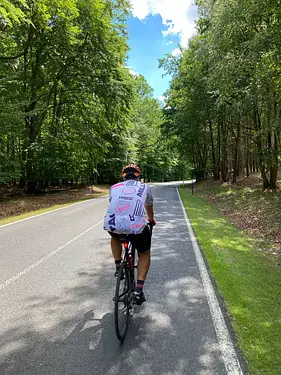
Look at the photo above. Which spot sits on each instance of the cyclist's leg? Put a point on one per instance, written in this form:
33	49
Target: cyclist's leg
143	267
143	264
116	248
142	242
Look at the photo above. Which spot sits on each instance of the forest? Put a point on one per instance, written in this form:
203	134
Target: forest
70	109
224	103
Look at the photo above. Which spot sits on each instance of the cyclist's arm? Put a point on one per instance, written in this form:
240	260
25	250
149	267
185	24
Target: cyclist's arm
149	211
149	204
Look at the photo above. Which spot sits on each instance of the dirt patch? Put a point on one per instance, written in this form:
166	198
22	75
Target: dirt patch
15	202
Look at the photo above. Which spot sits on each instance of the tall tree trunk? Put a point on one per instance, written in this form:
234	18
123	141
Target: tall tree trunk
236	154
247	154
224	153
261	161
32	123
275	162
214	159
30	175
274	165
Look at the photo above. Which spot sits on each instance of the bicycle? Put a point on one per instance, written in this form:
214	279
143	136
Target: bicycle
125	286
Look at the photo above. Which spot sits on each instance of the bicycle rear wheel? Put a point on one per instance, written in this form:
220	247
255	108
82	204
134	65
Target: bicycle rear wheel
133	270
122	302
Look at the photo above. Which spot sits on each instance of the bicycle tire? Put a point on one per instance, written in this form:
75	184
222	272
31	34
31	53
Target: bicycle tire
133	271
122	302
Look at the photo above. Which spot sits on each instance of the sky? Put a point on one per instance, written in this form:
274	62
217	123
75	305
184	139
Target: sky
157	27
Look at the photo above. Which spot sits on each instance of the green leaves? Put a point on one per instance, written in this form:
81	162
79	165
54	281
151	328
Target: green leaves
10	13
69	107
62	74
224	98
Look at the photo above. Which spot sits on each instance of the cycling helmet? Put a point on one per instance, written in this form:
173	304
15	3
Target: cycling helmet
131	171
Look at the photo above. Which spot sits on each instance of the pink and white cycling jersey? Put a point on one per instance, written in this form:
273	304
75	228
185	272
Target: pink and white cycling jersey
125	213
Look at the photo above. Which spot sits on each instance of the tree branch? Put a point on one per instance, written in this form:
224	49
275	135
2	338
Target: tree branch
12	57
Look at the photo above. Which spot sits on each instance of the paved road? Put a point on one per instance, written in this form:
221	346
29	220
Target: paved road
56	288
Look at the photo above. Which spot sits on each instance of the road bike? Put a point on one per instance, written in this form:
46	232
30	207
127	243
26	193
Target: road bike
125	287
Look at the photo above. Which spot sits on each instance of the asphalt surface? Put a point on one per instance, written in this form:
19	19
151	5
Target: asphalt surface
56	289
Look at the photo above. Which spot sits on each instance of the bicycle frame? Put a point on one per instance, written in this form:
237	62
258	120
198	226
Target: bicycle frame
124	292
128	257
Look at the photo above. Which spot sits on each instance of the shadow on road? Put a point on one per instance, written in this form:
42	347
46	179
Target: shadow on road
171	334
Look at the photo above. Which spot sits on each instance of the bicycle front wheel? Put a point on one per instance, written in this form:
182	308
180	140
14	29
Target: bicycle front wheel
122	302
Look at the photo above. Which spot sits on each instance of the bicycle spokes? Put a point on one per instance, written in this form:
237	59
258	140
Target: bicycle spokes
125	286
122	302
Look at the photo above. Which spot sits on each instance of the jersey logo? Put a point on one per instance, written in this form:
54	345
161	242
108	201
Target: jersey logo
141	190
129	190
111	223
138	208
132	183
120	209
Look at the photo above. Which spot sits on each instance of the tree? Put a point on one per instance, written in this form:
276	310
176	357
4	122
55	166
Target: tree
65	62
224	98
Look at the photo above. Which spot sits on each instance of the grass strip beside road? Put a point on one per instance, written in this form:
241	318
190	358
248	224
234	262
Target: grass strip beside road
248	280
26	215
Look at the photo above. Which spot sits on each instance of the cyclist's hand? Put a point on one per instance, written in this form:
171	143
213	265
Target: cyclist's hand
152	222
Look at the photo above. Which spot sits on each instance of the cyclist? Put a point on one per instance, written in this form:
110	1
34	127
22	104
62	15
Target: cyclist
129	200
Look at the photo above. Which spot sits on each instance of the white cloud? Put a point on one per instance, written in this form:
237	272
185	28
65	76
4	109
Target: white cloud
176	52
132	72
177	15
170	42
162	98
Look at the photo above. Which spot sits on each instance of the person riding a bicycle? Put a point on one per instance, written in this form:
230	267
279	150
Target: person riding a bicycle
128	201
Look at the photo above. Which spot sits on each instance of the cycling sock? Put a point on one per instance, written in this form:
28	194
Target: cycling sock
118	264
139	287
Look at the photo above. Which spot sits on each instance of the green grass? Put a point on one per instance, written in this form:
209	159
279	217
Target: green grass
12	219
248	280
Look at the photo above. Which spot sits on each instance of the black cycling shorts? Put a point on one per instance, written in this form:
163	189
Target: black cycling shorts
142	241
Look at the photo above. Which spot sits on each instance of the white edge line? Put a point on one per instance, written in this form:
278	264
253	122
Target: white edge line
46	257
48	212
230	359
